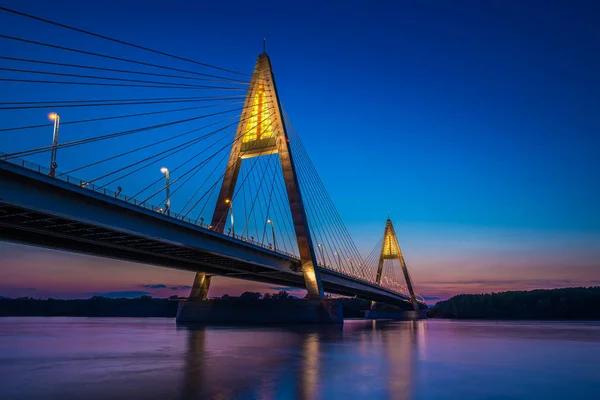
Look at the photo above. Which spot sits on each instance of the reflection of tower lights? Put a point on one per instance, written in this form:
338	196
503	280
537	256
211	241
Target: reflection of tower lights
310	367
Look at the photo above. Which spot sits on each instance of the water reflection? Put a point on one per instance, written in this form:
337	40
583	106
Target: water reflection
299	363
75	358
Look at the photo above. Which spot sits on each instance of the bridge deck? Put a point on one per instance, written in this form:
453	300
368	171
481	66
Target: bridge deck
43	211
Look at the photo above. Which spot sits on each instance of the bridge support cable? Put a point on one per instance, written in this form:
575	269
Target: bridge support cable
327	212
117	79
106	56
195	169
113	135
339	249
150	160
264	204
327	242
29	105
329	239
140	148
166	151
148	49
258	186
123	71
285	225
122	116
268	212
233	165
342	252
128	85
236	164
175	150
233	143
198	166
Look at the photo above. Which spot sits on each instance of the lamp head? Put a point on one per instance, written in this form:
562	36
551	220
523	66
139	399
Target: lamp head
164	170
53	116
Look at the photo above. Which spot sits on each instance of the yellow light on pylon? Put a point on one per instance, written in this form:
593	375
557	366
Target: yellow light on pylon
390	246
260	124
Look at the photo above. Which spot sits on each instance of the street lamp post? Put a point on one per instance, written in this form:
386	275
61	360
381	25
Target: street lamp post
339	260
273	233
56	118
228	201
322	254
168	188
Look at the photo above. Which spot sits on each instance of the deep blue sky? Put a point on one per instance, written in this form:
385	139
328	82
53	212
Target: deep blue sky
474	122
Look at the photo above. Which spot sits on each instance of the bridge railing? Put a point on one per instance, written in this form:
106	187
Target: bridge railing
131	200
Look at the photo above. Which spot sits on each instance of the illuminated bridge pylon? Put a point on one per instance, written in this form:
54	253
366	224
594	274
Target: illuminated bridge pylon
390	250
261	132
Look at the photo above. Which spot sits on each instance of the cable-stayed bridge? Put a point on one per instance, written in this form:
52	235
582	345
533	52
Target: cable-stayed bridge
217	182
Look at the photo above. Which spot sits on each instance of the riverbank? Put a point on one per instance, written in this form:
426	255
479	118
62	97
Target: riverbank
555	304
94	307
143	307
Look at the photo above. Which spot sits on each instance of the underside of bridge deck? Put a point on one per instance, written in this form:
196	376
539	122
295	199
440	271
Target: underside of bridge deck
35	228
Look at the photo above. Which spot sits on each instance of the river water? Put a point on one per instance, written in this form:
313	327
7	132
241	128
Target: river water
127	358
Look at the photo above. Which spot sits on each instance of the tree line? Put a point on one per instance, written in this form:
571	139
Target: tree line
578	303
144	306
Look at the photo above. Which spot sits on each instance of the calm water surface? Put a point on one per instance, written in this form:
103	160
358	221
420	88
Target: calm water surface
79	358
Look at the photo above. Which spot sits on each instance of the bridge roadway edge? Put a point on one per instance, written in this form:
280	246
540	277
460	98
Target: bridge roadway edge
27	197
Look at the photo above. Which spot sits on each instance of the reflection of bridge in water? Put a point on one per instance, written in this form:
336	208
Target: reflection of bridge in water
302	363
245	160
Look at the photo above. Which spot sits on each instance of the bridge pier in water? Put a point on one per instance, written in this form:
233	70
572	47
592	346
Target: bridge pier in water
381	311
261	312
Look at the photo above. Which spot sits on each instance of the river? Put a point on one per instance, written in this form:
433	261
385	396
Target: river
127	358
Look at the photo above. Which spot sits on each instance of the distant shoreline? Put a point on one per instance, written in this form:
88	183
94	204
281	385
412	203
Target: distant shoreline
555	305
141	307
569	304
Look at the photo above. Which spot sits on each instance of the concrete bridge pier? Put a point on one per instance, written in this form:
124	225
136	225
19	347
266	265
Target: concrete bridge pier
260	312
384	311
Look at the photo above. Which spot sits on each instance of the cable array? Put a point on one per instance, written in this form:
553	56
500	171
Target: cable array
125	126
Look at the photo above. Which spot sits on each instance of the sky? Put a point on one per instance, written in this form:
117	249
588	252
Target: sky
473	123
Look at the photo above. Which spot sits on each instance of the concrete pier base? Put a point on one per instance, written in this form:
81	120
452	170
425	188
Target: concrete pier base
396	315
260	312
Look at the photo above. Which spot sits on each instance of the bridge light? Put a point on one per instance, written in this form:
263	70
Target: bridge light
322	254
228	201
54	117
165	171
269	221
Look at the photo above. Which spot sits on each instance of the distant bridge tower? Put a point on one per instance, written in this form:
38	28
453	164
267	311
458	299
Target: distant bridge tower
261	132
390	250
